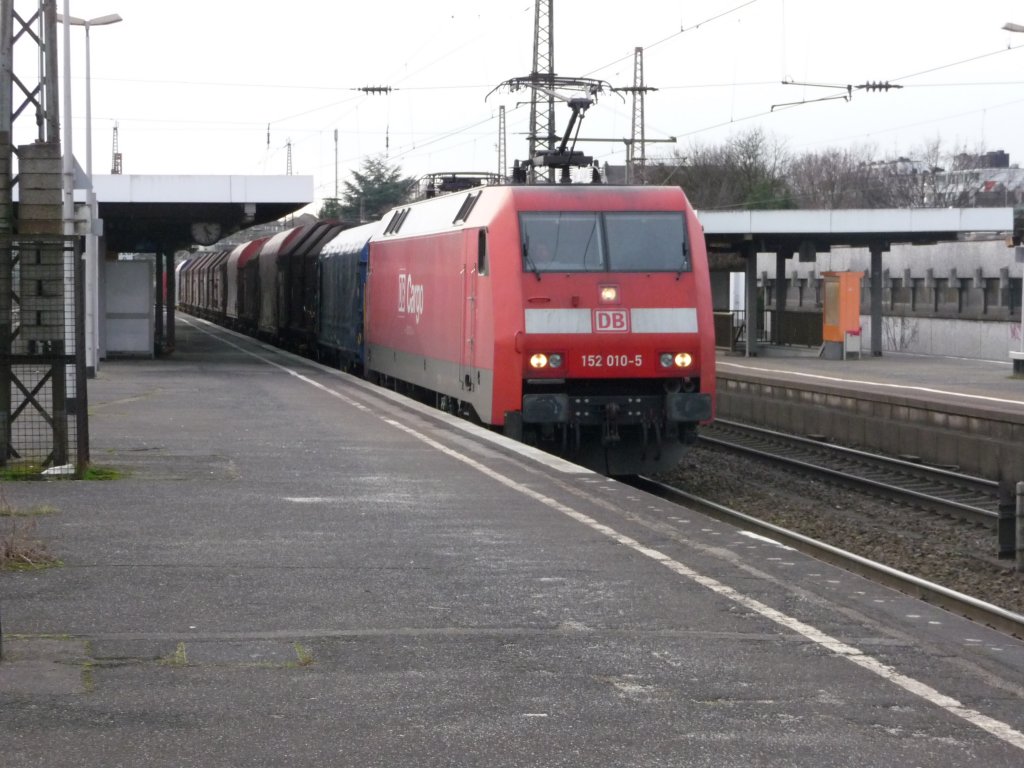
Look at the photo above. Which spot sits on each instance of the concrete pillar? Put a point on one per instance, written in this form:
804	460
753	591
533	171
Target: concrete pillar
876	296
158	329
781	258
169	345
749	253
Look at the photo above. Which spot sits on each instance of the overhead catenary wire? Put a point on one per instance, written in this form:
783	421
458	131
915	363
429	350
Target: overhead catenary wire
408	70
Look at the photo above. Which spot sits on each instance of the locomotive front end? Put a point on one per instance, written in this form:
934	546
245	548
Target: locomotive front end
616	364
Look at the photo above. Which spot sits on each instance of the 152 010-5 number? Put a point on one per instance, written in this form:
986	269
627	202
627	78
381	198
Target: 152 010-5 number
613	361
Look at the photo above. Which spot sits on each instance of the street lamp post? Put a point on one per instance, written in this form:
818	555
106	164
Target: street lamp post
92	238
1018	357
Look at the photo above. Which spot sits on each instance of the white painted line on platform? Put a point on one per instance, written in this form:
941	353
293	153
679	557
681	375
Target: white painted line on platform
997	728
880	384
765	539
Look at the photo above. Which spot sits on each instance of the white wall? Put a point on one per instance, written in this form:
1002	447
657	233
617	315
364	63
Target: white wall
129	314
974	339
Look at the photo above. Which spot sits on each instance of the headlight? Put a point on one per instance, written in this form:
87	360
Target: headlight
676	360
609	294
539	360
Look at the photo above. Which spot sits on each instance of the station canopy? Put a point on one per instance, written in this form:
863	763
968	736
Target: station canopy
147	214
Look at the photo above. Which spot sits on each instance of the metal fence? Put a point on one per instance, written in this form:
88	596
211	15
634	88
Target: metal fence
43	403
791	328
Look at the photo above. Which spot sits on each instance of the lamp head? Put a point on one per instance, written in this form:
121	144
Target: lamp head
110	18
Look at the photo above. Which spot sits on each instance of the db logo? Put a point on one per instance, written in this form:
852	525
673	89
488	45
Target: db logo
611	320
410	296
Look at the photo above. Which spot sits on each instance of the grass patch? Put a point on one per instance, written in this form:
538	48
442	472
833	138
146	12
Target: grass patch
20	472
102	473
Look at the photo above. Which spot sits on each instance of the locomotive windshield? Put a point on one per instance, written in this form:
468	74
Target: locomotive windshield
604	242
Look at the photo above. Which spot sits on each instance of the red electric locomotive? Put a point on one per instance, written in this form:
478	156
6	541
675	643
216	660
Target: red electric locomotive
574	317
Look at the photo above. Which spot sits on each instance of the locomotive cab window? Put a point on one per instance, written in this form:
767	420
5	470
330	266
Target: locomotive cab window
604	242
561	242
646	242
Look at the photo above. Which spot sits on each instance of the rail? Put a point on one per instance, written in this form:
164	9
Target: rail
936	594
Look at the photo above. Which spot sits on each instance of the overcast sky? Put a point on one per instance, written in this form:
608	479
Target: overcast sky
194	86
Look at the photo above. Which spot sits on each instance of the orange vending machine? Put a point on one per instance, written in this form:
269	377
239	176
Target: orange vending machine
841	316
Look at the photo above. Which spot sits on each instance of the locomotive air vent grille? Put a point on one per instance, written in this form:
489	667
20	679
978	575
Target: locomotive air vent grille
467	207
396	222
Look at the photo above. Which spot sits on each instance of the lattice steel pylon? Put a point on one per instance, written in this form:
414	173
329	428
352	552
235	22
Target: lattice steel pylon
542	107
115	160
502	157
546	149
636	154
43	416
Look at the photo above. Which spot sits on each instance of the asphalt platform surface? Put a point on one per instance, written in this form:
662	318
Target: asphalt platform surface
953	382
297	569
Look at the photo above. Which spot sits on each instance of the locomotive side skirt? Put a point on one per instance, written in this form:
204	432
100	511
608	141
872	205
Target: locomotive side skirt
441	376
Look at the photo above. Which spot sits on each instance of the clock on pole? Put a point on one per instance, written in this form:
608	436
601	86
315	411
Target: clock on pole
206	232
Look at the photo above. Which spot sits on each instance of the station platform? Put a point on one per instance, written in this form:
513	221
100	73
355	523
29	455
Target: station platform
954	381
297	568
958	413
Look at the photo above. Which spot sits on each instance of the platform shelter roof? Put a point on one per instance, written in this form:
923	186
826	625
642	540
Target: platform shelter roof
146	213
820	230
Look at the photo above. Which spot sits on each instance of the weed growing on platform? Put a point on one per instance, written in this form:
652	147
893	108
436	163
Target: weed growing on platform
19	549
7	511
177	659
302	653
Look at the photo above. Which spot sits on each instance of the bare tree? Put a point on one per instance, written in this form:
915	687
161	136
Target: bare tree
754	170
833	178
749	171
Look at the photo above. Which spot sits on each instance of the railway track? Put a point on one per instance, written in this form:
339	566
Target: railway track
949	599
938	490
